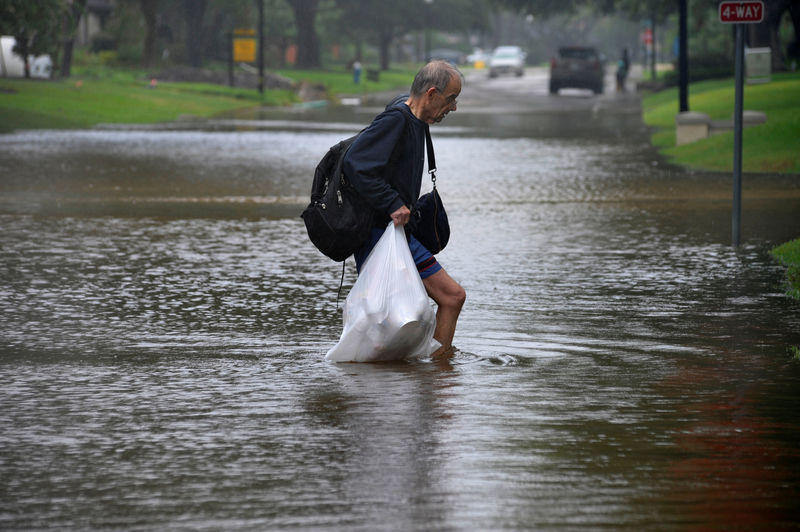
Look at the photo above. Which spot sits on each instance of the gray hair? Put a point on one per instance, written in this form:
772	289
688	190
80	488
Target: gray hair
437	74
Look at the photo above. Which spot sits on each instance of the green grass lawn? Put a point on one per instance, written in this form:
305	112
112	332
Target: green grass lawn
77	103
770	147
101	94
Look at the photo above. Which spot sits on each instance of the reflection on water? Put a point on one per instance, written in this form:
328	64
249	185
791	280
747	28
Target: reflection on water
165	321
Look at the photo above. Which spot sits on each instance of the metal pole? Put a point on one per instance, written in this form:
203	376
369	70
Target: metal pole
260	50
653	49
427	31
683	56
230	59
737	137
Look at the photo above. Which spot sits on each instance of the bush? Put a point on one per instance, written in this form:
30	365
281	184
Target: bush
107	57
703	67
788	254
103	42
129	55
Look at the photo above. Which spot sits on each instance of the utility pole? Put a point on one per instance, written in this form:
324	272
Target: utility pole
653	48
260	50
683	57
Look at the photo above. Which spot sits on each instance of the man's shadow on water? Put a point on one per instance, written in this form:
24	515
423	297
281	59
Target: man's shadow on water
414	382
383	424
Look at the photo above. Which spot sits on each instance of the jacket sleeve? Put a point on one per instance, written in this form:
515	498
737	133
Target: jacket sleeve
366	161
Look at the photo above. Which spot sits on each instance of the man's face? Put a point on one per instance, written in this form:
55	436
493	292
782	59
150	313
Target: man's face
442	102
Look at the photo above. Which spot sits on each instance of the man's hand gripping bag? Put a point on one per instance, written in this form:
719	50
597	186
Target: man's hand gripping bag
387	314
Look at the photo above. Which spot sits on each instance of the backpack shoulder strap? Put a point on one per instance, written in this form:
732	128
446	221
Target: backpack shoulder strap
431	156
406	112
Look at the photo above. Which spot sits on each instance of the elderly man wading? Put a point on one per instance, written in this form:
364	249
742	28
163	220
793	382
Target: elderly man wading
385	164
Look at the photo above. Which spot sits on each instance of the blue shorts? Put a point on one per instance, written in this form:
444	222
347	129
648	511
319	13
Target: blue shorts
426	263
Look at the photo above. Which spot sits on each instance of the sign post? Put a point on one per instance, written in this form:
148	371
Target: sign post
739	13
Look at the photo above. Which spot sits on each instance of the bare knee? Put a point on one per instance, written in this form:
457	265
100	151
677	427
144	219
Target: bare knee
454	297
459	296
445	291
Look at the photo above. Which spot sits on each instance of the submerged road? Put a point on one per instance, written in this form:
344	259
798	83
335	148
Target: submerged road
618	364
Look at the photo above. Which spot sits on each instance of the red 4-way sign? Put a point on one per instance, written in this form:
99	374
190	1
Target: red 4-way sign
741	12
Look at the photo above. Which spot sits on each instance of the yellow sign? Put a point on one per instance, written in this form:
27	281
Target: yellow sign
244	50
244	45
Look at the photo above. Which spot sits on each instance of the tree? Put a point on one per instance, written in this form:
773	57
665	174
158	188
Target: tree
305	14
765	34
378	22
544	8
75	9
277	29
33	24
150	13
194	11
382	23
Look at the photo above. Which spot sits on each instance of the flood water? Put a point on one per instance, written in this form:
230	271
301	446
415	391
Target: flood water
619	365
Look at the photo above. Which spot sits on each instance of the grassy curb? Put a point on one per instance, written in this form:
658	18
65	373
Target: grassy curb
788	254
769	147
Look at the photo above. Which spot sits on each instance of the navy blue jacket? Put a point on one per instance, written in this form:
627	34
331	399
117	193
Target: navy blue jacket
386	161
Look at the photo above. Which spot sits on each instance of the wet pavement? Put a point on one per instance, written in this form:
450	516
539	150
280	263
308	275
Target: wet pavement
619	364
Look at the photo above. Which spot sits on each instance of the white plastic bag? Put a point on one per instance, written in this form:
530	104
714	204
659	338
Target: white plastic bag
387	314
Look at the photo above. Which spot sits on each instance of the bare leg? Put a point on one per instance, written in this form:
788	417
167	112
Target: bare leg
449	297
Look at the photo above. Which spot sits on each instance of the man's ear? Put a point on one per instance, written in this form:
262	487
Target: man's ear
430	91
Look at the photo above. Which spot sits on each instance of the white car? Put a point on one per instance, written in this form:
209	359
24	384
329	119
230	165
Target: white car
507	60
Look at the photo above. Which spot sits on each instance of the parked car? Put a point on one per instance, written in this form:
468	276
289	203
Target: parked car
507	60
577	67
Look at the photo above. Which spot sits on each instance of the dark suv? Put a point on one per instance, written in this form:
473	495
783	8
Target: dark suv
577	67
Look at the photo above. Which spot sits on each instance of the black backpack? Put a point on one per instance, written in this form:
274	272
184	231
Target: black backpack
338	220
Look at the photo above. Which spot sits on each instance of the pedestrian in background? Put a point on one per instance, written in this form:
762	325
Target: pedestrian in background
623	65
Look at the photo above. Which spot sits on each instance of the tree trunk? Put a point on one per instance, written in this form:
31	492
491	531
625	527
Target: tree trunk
150	11
794	11
765	33
195	11
384	43
305	12
775	14
23	49
72	17
794	46
66	58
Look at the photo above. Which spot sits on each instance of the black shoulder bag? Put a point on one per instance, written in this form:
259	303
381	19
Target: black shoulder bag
429	222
